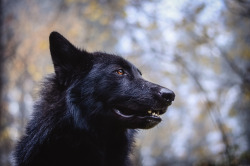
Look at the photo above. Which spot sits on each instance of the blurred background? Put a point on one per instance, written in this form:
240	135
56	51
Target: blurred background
199	49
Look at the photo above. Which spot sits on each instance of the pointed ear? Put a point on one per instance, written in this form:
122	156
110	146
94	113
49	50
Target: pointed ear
67	59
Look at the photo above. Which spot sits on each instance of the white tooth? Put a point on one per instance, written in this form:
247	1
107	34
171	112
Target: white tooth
149	111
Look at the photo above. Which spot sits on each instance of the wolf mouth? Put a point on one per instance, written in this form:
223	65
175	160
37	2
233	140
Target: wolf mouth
152	114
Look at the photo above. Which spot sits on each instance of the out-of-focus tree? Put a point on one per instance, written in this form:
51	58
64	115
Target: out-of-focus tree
201	46
1	57
238	59
5	119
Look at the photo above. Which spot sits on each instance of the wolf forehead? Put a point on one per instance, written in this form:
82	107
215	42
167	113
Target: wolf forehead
114	60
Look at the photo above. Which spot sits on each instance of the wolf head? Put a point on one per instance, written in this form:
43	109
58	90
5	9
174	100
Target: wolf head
105	89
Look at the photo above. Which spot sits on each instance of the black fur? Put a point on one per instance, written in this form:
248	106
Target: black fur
88	110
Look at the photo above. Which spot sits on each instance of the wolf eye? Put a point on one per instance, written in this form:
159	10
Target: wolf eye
120	72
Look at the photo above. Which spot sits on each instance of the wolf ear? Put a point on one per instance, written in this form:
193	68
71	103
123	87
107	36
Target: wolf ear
67	59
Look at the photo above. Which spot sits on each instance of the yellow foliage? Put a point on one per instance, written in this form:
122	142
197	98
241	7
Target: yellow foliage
74	30
247	96
232	113
124	14
94	11
227	129
32	69
180	45
205	61
74	1
246	53
216	67
5	135
49	69
103	36
152	26
43	45
105	21
19	65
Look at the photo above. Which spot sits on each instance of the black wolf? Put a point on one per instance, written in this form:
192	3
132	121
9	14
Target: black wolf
89	109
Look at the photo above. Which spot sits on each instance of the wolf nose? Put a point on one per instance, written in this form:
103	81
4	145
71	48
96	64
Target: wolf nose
167	94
